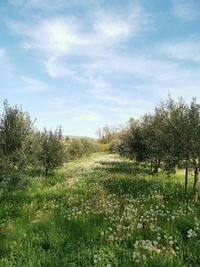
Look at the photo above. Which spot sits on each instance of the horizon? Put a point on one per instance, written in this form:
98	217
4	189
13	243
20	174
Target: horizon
87	64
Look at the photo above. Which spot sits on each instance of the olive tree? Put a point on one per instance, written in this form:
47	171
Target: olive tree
52	150
16	131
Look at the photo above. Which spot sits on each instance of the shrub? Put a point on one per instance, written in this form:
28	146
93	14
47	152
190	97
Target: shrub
52	150
79	147
114	146
16	130
103	147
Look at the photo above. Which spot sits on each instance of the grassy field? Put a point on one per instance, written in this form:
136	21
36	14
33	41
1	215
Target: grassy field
99	211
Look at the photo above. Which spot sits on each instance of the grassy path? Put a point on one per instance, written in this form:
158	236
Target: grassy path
99	211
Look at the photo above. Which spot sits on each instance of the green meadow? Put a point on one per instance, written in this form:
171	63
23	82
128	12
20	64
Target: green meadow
102	211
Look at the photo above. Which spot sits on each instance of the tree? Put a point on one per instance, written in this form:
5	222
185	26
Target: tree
182	128
79	147
52	150
107	134
194	142
114	146
171	135
16	129
132	143
153	140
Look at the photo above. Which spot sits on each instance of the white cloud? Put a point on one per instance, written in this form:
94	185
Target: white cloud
56	36
92	55
98	85
113	98
56	68
49	6
82	113
2	52
113	29
33	85
187	10
6	67
87	115
184	50
103	91
17	2
58	104
58	40
137	65
118	28
99	51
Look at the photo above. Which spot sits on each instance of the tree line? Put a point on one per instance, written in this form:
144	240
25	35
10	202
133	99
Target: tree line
23	146
168	138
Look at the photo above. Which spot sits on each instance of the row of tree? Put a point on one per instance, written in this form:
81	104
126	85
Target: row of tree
22	146
169	137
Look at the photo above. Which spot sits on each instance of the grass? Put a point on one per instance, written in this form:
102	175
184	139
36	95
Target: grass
99	211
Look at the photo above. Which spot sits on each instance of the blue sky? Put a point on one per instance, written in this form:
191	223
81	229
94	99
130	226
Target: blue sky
88	63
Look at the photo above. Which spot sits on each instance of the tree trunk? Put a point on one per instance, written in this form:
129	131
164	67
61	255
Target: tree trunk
156	168
46	171
196	178
186	178
145	165
151	166
174	169
157	165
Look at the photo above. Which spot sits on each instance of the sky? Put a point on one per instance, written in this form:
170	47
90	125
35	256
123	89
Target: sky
84	64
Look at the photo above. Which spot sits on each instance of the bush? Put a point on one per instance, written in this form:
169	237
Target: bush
103	147
22	147
79	147
16	131
52	150
114	146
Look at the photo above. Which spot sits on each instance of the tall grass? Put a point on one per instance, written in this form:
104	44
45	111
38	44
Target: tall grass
99	211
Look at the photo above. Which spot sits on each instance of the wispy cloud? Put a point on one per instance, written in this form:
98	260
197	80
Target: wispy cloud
98	85
56	68
187	10
82	113
58	105
33	85
183	50
90	55
118	27
68	48
87	115
6	68
2	52
57	36
49	6
111	59
59	39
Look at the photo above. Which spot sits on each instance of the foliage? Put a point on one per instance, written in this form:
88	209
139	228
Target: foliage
114	146
101	211
169	136
16	135
103	147
52	149
107	134
22	147
79	147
